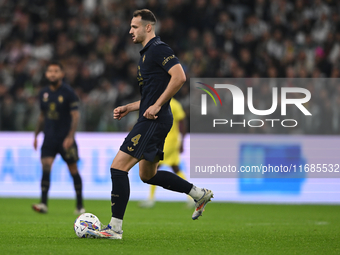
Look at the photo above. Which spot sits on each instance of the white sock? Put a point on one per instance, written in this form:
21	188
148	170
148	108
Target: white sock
116	224
196	193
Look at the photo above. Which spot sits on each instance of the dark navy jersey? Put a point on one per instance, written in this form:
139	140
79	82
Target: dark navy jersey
56	107
156	60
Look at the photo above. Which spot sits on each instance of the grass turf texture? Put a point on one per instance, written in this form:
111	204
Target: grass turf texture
224	228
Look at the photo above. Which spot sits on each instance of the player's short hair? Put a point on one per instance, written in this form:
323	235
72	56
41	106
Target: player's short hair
54	63
145	15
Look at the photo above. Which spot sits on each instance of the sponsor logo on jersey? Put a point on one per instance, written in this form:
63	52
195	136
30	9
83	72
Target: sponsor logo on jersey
166	60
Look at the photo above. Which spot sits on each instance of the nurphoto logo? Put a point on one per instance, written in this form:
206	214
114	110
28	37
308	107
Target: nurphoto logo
239	104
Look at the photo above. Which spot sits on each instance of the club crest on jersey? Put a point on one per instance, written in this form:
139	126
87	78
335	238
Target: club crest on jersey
45	97
60	99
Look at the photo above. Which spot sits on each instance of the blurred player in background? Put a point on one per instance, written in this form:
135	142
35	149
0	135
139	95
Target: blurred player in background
173	146
58	119
159	76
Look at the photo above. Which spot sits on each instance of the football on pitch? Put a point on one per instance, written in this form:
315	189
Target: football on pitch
84	222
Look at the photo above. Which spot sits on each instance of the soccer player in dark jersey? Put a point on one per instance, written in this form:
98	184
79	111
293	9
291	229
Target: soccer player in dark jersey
58	120
159	76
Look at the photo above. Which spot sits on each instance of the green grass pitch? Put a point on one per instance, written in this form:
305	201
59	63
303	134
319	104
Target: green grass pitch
224	228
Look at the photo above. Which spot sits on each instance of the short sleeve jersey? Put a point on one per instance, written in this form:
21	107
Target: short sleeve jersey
56	107
156	60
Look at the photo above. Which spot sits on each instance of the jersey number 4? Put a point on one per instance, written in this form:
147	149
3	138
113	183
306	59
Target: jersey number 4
135	139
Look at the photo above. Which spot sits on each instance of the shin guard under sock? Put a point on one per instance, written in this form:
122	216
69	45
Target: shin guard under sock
170	181
120	192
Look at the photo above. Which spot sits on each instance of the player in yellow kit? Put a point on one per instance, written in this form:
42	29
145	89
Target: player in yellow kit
172	148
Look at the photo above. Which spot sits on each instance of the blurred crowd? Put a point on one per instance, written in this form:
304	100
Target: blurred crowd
212	38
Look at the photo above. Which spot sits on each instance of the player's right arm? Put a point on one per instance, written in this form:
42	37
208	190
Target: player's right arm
39	127
122	111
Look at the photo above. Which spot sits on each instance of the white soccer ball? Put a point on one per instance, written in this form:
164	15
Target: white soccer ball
84	222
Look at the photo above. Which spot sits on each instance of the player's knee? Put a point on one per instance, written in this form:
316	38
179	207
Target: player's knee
145	178
72	167
46	167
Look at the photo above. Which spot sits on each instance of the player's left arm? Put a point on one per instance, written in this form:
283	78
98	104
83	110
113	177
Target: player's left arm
75	115
176	82
69	140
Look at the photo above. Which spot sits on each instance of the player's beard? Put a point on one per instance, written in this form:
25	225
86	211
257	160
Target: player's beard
136	40
54	83
139	39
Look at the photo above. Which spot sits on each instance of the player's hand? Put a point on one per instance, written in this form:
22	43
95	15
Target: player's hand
35	143
68	142
151	112
120	112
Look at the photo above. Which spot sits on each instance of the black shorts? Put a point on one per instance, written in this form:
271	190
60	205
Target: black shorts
146	140
51	147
